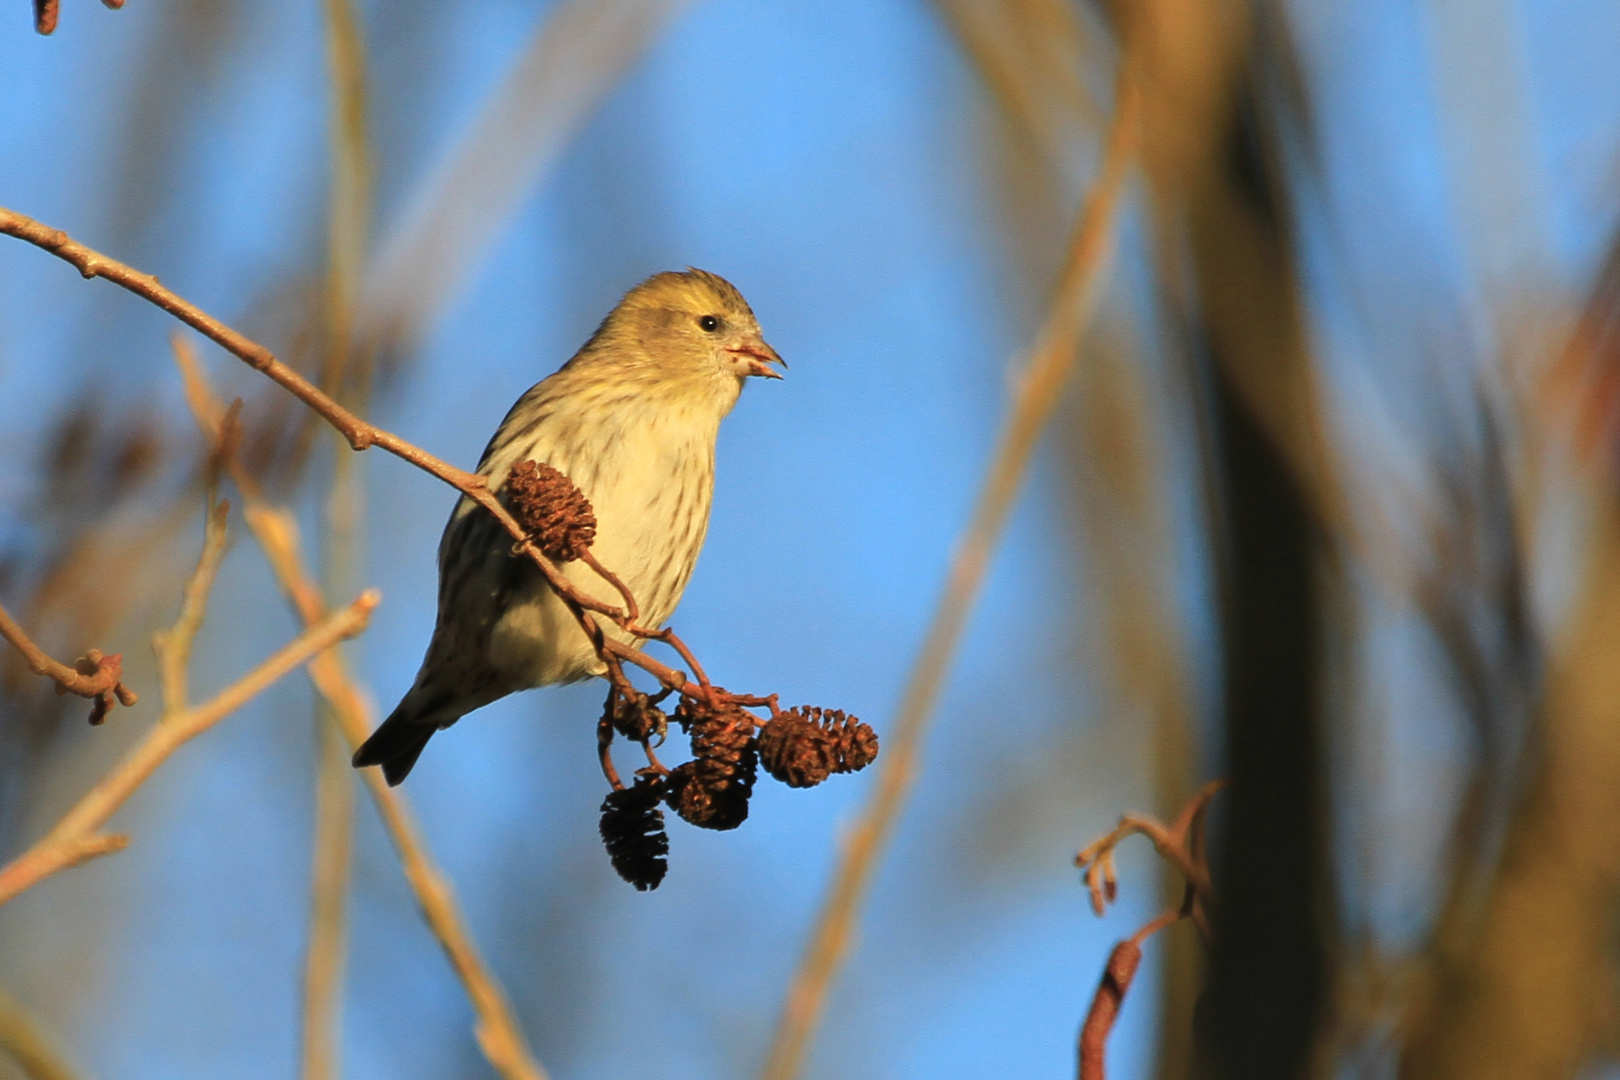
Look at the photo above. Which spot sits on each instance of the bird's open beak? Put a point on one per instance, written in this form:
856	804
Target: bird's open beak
758	358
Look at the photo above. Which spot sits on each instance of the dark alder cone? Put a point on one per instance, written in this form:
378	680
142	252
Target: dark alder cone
635	717
712	790
796	750
555	513
633	832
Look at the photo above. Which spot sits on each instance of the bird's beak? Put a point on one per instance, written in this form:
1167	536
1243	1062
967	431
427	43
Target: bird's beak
758	358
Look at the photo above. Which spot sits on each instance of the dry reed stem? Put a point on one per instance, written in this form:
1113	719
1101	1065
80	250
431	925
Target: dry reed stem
497	1031
22	1041
77	836
325	954
359	434
1052	358
346	377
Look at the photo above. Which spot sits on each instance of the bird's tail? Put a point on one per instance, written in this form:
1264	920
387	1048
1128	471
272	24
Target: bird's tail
398	741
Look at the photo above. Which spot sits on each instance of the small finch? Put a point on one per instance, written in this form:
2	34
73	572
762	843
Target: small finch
631	419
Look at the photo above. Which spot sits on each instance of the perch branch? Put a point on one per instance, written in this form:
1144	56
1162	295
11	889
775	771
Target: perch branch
360	435
1052	359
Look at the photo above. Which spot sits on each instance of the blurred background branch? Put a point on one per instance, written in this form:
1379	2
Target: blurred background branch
352	716
1040	382
78	835
346	376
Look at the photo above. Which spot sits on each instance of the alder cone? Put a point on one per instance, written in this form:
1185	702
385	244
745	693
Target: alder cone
633	832
712	790
854	744
552	510
796	750
635	716
803	746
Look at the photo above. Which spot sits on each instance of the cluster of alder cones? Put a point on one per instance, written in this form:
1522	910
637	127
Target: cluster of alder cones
800	747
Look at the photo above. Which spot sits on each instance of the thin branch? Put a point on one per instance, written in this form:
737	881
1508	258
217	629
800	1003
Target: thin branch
497	1031
1117	976
1181	844
1051	361
93	676
173	646
77	836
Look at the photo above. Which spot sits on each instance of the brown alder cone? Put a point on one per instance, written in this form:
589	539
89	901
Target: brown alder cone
796	750
803	746
855	745
635	716
552	509
712	790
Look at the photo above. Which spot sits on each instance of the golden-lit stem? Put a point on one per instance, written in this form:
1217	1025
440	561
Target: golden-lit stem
497	1030
104	680
345	376
77	837
1052	358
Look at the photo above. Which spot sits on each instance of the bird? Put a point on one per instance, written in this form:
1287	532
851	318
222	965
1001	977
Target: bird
632	420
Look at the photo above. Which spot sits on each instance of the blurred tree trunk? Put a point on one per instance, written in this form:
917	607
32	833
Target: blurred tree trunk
1221	213
1269	975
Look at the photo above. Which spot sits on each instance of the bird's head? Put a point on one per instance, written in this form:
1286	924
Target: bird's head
686	333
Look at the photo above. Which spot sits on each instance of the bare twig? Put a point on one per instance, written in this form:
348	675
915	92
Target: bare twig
497	1030
1105	1003
93	676
1052	359
1182	845
77	836
173	646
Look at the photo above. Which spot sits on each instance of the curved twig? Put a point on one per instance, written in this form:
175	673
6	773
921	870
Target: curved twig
95	675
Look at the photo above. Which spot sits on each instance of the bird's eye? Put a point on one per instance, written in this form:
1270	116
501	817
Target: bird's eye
709	323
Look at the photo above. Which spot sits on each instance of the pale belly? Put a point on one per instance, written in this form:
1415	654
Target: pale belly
651	500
